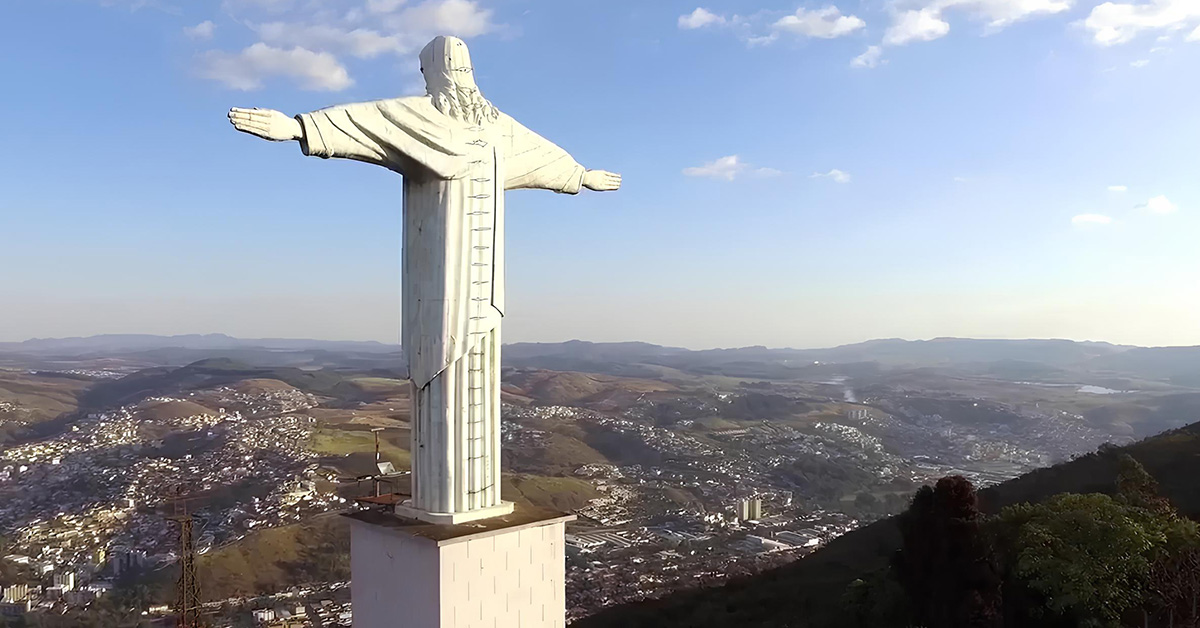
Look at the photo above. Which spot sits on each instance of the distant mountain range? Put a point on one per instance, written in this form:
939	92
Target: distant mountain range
126	343
1035	360
1041	360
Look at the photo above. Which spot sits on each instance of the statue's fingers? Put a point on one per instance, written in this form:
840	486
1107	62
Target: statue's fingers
246	114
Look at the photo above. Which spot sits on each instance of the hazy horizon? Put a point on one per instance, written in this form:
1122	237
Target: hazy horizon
577	339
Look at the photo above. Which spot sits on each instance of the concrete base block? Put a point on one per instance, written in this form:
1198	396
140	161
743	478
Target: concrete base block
503	572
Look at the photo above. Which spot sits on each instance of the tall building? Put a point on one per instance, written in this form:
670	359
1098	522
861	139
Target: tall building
65	580
749	509
16	593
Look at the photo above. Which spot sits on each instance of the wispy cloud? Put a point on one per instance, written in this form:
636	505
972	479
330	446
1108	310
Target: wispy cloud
838	176
1159	205
202	31
826	23
1140	63
1118	188
246	70
729	168
763	28
700	18
917	25
872	58
927	20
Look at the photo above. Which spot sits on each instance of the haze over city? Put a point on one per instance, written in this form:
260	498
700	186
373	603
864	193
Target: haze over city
1002	169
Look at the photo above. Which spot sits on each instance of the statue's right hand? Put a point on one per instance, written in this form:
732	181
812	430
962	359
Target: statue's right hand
265	123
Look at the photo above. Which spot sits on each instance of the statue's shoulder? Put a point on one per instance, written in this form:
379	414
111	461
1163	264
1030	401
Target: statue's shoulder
420	104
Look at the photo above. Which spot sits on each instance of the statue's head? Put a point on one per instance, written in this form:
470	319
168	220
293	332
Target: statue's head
450	81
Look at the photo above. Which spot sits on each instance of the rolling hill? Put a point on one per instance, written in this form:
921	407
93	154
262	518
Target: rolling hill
206	374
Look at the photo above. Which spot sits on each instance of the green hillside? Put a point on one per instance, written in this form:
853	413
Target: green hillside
808	593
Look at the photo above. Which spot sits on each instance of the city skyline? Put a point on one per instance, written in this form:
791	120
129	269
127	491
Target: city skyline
796	173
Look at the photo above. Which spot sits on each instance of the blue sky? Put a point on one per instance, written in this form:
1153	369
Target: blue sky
795	173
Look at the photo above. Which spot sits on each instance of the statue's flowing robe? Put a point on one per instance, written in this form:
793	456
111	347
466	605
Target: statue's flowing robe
455	174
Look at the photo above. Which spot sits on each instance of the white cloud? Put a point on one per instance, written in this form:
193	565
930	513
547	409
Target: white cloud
1113	23
1118	188
463	18
202	31
246	70
360	42
317	32
1159	205
1002	13
1195	35
826	23
1090	219
729	168
927	21
383	6
918	25
872	58
1140	63
837	175
757	30
700	18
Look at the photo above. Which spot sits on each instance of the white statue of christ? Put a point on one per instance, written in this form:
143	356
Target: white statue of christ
457	154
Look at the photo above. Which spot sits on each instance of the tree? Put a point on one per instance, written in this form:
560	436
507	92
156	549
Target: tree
945	564
1175	583
876	601
1136	487
1088	556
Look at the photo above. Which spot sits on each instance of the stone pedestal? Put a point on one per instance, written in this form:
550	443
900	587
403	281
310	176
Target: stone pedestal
503	572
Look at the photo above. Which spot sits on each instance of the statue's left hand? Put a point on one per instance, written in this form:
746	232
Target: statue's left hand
601	180
266	123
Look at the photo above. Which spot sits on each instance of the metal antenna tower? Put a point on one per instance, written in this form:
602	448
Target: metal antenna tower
375	480
187	602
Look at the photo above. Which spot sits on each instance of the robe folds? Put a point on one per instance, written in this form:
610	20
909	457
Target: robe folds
455	174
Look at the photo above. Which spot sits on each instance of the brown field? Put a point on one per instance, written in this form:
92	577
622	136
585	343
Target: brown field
38	397
166	410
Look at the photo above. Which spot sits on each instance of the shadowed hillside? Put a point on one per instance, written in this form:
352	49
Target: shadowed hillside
808	593
207	374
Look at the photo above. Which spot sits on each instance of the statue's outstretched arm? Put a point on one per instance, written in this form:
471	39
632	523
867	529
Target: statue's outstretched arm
537	163
266	123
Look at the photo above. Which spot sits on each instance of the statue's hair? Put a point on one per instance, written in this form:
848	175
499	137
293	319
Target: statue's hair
466	104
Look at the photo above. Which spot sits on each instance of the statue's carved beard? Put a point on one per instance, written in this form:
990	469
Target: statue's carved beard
465	104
